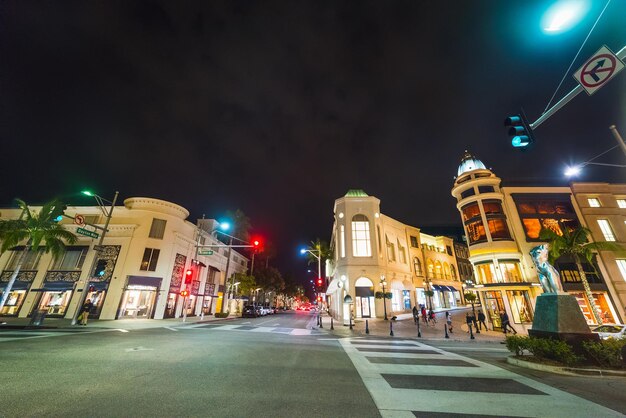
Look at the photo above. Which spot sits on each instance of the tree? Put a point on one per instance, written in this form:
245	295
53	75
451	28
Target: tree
471	298
575	244
34	230
246	285
320	248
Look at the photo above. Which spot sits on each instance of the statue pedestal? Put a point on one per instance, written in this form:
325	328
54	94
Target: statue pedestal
558	316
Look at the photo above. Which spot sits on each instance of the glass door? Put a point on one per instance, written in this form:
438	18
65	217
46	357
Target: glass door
494	305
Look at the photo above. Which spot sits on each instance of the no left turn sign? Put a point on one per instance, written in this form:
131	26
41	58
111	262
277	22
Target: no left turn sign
79	220
598	70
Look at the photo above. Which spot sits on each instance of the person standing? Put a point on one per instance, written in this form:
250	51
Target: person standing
481	320
505	322
415	314
84	312
449	321
470	320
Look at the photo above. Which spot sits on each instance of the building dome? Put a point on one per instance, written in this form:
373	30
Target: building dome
469	163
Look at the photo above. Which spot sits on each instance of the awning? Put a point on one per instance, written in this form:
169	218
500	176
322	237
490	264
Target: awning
17	285
438	288
332	287
452	289
55	287
97	286
144	281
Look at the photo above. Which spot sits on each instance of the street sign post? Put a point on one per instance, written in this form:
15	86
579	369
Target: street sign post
598	70
202	251
87	233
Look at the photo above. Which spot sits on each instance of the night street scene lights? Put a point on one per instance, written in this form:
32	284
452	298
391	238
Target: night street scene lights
383	283
564	15
317	253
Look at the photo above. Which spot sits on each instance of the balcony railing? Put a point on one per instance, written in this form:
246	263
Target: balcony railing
22	276
62	275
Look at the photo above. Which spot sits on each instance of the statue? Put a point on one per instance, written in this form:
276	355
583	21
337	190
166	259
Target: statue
548	276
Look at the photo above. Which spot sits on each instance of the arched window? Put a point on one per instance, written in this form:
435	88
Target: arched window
430	266
361	246
446	271
453	272
391	250
438	270
417	266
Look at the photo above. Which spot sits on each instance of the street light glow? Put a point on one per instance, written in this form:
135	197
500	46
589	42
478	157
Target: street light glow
572	171
563	15
302	251
224	226
87	193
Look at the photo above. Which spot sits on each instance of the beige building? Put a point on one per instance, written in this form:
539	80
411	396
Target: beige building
372	249
502	225
141	265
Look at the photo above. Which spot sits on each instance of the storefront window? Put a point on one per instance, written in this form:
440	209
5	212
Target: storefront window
486	273
470	211
498	228
420	296
521	307
396	300
494	305
55	302
407	299
138	301
510	271
13	302
554	212
600	299
476	232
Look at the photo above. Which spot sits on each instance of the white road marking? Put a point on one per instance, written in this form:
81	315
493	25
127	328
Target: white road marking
122	330
140	348
171	329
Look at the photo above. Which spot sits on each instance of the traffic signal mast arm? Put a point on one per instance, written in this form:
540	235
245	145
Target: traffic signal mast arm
86	223
569	96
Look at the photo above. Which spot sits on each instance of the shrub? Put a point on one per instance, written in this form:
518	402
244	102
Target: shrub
553	350
517	344
607	353
543	348
222	314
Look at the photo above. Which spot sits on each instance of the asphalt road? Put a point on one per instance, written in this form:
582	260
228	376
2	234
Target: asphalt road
183	371
278	366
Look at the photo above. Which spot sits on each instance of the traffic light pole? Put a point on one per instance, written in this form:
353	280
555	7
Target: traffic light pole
98	248
568	97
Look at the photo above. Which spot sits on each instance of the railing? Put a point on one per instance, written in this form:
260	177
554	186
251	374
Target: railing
23	275
62	275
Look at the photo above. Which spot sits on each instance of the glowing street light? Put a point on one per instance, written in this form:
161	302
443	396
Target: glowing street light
573	171
563	15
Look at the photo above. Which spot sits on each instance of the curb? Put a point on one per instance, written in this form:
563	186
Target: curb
567	371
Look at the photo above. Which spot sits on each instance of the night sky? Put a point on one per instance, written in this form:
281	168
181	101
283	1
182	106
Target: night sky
278	108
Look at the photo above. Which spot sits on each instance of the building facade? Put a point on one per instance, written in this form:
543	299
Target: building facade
502	226
141	264
374	253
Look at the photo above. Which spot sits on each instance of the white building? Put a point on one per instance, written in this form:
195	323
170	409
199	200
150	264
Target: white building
371	248
502	225
146	251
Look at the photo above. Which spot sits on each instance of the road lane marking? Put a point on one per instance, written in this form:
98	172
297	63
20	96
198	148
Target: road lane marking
171	329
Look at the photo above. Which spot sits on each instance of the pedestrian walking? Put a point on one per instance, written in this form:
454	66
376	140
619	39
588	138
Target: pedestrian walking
431	317
504	318
415	314
424	316
470	320
84	312
449	321
481	320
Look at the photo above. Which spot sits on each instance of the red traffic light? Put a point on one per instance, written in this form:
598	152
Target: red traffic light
188	276
319	282
184	293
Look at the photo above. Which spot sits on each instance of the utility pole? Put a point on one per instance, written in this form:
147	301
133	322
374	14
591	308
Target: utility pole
226	299
618	138
98	249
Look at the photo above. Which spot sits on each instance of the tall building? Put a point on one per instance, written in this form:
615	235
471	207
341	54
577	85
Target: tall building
149	247
502	225
374	253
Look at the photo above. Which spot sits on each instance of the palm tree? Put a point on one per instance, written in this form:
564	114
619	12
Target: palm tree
320	248
36	230
575	244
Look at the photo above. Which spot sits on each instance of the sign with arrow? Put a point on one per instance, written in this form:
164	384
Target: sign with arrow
598	70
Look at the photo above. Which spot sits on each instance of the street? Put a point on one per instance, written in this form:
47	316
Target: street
280	365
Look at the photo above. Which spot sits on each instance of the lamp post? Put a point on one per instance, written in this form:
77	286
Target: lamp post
100	201
318	256
383	283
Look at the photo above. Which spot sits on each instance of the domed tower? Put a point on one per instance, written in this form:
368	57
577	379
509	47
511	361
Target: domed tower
502	280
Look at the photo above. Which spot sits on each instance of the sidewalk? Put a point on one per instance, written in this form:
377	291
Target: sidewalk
127	324
405	327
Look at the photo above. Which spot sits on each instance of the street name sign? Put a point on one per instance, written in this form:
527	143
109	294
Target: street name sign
598	70
202	251
87	233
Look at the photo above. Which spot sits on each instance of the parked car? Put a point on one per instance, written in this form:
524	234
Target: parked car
250	311
263	310
610	331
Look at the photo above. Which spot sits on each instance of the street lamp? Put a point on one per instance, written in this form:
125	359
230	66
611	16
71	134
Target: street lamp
318	256
576	169
101	204
383	283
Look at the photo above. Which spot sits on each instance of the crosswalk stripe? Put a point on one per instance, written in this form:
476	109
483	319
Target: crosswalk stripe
399	390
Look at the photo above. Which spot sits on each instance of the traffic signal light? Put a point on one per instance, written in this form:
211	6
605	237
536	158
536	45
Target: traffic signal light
319	281
188	276
256	244
101	267
519	130
57	212
184	293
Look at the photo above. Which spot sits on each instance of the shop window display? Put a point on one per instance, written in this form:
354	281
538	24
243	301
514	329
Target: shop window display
602	304
521	308
493	306
13	302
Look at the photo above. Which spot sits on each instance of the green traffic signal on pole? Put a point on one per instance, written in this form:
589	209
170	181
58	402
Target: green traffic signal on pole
519	130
